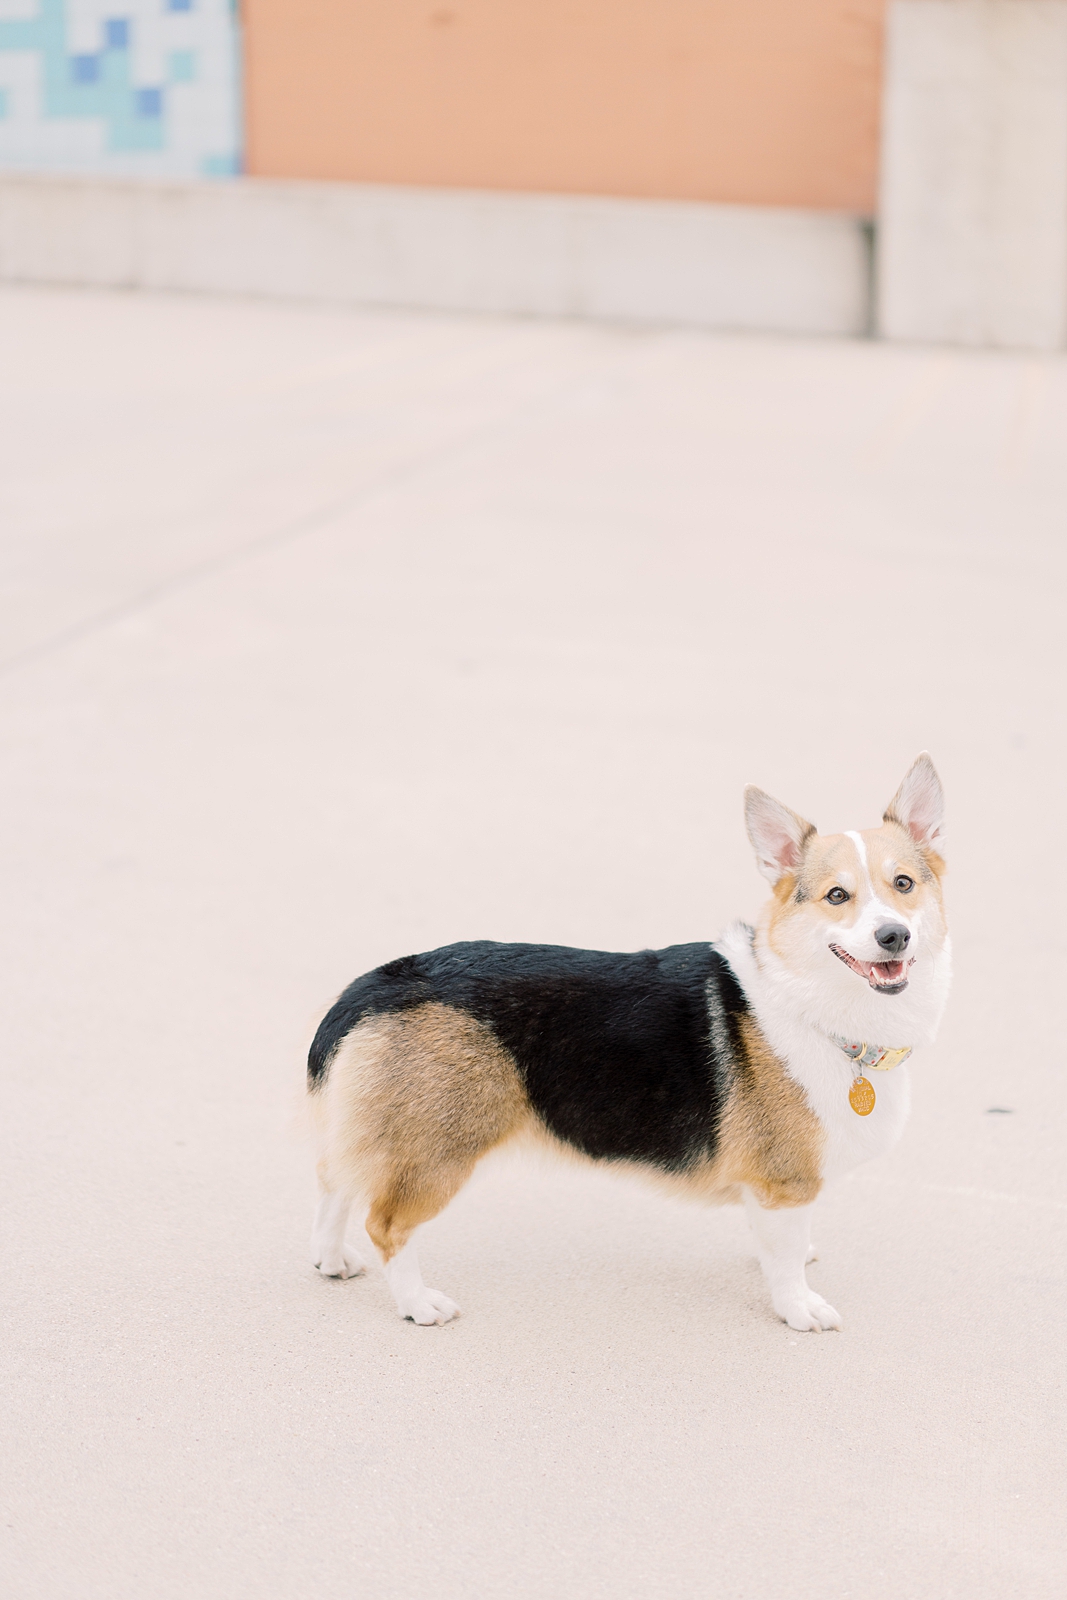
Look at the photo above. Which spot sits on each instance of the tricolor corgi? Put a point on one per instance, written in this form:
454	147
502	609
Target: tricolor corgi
752	1070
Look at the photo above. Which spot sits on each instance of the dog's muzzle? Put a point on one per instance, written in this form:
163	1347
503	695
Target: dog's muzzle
886	977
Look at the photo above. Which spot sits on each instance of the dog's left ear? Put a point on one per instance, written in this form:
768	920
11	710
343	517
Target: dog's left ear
919	803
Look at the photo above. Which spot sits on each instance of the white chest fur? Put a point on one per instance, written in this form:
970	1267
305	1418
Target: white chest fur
826	1074
822	1069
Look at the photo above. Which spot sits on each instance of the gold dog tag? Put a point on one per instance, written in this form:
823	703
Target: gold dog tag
861	1097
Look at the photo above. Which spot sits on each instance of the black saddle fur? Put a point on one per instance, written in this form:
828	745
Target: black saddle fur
623	1056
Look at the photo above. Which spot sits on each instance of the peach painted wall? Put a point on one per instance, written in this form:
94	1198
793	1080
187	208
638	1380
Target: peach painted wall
767	102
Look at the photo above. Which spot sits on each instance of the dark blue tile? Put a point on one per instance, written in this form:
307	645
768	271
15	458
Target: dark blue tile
116	34
85	69
148	102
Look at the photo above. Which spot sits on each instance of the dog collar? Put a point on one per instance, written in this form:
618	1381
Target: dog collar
876	1057
880	1058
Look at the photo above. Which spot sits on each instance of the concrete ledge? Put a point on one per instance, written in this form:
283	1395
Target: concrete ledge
742	267
972	236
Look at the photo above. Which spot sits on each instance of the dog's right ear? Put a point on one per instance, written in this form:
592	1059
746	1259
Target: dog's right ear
778	835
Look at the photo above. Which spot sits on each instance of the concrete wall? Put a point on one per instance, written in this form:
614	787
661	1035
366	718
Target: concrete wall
973	212
765	102
705	265
697	161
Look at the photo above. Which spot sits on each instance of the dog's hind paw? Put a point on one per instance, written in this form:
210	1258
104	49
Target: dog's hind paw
808	1313
343	1263
428	1307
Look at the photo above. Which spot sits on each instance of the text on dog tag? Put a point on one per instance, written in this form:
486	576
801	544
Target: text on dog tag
861	1097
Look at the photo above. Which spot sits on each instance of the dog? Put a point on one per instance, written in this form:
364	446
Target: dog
734	1071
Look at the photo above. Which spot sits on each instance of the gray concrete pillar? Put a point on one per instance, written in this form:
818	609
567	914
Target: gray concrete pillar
972	231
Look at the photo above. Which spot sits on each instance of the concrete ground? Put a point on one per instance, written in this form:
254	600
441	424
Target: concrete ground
329	636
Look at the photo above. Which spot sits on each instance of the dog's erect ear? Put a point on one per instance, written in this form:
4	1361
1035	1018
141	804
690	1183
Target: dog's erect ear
919	803
778	835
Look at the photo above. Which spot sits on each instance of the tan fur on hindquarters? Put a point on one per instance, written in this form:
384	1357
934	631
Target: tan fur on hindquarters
412	1101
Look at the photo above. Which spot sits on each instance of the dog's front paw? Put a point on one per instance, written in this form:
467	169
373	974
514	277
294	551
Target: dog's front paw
334	1263
807	1312
427	1307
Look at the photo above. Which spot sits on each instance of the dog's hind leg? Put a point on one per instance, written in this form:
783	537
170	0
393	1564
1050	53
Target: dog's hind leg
411	1198
329	1251
413	1101
783	1240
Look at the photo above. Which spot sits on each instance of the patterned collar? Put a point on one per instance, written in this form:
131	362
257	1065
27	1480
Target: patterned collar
880	1058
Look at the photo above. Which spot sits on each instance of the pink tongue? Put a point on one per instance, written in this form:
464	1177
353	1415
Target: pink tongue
887	971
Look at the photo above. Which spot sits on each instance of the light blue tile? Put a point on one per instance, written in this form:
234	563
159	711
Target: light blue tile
24	35
226	166
181	66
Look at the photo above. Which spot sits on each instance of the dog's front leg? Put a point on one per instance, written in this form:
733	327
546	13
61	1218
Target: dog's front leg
783	1239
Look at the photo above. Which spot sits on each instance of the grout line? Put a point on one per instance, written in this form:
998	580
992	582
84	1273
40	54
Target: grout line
289	533
1025	413
969	1193
909	410
186	579
966	1192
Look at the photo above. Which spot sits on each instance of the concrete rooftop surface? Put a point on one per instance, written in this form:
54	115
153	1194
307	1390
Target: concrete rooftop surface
329	636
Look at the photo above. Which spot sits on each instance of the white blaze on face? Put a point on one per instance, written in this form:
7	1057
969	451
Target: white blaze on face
861	851
871	911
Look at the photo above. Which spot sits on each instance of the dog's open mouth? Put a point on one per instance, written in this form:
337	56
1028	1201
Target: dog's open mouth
888	977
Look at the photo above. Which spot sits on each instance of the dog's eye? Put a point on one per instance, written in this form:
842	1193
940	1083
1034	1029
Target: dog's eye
903	884
837	895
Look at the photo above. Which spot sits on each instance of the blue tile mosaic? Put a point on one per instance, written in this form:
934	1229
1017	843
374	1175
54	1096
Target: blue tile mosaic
156	91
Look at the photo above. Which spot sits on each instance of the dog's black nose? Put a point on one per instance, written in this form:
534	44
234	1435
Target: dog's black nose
893	938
